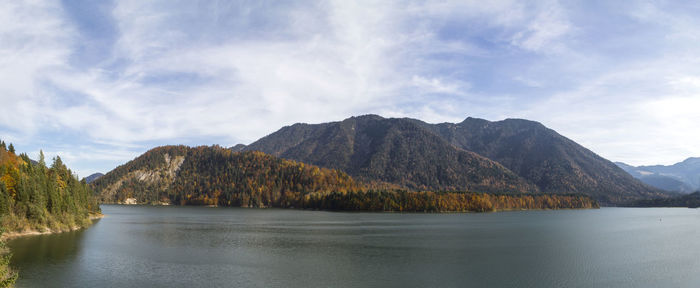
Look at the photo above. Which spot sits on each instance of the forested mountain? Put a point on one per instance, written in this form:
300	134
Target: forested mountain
146	178
681	177
553	162
397	151
450	156
37	197
218	176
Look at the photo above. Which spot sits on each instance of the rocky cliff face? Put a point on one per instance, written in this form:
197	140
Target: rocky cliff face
158	178
153	171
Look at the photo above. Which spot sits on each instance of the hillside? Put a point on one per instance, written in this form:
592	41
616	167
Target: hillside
518	154
397	151
153	171
553	162
681	177
218	176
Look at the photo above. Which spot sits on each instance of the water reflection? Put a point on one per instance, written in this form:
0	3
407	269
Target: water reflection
46	248
55	255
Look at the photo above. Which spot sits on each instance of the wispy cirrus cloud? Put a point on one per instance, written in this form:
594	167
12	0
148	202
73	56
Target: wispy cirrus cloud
102	82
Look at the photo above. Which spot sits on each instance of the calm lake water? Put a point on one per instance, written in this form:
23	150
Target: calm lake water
137	246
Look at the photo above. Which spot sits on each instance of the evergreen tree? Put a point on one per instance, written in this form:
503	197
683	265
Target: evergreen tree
35	197
42	161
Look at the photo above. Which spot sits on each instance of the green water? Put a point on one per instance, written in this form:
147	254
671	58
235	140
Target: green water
136	246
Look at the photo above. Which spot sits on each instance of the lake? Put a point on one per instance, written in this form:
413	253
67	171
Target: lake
143	246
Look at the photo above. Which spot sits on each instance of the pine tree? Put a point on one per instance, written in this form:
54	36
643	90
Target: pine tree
42	161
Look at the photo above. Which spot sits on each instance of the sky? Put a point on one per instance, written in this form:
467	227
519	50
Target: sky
101	82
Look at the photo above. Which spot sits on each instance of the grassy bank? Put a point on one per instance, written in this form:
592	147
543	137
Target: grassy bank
18	227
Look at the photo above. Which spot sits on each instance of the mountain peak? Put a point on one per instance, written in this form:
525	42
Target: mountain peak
511	123
238	148
522	121
93	177
692	161
474	120
366	117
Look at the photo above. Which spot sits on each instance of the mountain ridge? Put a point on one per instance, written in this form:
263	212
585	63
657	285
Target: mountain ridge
550	160
528	149
373	148
683	177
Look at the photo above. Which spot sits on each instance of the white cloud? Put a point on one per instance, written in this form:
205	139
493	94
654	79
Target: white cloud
544	31
34	41
194	71
643	115
436	85
363	58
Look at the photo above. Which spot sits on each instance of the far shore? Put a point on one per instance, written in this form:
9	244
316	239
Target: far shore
12	235
368	211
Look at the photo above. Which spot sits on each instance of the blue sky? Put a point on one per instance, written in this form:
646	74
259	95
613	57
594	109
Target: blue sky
100	82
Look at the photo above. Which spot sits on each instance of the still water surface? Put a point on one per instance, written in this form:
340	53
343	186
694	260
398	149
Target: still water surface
140	246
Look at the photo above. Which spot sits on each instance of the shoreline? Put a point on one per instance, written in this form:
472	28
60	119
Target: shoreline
369	211
14	234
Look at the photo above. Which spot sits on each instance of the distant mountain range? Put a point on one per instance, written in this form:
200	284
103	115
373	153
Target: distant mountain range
681	177
506	156
93	177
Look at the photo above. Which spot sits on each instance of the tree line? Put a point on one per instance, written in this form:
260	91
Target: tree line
427	201
691	200
36	196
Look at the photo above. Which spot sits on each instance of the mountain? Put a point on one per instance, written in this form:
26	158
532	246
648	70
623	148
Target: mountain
93	177
681	177
517	154
237	148
553	162
398	151
218	176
